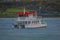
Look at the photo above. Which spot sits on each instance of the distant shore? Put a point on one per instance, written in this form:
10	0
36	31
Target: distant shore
42	17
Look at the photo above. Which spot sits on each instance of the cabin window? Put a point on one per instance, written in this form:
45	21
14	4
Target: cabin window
25	22
29	22
35	22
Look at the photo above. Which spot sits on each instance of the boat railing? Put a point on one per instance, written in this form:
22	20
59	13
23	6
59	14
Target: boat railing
27	18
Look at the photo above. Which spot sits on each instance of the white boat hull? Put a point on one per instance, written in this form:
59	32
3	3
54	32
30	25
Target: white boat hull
31	26
36	26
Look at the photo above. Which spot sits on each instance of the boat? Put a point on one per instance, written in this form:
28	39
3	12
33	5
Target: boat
28	19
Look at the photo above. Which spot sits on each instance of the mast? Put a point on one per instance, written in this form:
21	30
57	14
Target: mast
24	9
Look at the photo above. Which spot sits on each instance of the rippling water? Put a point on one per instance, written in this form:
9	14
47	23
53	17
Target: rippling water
51	32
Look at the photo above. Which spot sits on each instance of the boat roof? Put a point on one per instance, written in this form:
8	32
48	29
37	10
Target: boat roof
26	13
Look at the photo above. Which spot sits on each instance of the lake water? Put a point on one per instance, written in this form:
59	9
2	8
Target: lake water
51	32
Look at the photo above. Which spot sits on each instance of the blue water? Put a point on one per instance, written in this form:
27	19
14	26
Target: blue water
51	32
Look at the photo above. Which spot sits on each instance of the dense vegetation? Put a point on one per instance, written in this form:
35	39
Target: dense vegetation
48	8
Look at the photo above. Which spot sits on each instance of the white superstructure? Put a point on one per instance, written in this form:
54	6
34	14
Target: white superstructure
30	21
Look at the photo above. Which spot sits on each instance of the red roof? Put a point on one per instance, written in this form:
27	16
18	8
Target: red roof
26	13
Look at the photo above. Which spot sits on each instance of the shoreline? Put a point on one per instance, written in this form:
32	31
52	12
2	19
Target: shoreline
42	17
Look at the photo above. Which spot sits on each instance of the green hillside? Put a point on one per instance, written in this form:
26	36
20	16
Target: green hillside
10	10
